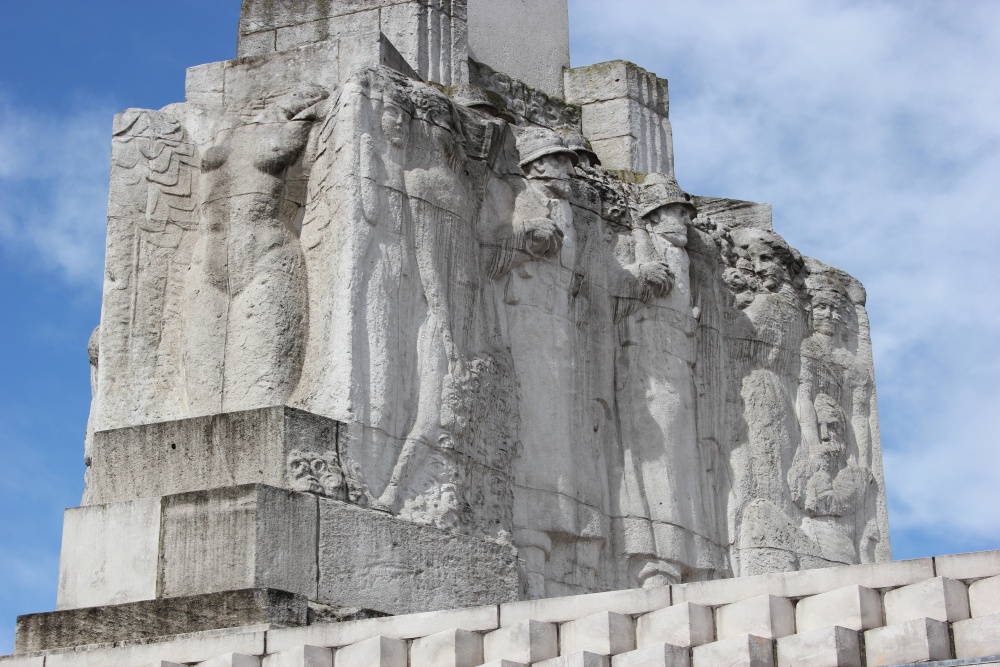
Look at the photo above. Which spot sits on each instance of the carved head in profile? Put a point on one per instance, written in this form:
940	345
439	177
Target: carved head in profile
397	111
442	123
773	262
667	210
294	102
544	156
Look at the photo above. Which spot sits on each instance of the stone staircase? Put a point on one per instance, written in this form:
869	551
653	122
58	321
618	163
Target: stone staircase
932	611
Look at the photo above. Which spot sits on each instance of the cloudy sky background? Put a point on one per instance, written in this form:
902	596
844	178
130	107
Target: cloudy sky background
872	127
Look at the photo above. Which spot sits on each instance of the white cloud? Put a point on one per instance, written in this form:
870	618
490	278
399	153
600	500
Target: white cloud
873	129
54	187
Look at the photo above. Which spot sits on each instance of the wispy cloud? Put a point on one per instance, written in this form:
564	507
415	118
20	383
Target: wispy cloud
54	185
873	129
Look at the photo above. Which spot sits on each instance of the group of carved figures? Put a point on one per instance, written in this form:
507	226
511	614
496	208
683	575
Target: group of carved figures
521	345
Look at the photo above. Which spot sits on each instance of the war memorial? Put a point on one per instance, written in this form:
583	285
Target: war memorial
414	353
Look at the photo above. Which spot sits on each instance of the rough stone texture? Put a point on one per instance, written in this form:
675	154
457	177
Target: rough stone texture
526	39
137	621
939	598
374	652
231	660
764	616
685	624
977	637
984	597
451	648
656	655
300	656
606	633
854	607
832	646
625	113
276	446
478	619
745	651
918	640
360	549
526	642
559	610
109	554
238	537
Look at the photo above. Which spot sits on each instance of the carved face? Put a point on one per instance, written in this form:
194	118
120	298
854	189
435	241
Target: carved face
671	222
827	317
832	426
555	166
767	265
395	124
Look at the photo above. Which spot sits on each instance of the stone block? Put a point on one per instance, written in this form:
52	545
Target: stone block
582	659
655	655
745	651
832	646
451	648
973	565
476	619
977	637
184	649
374	652
767	616
604	633
247	536
916	640
505	663
558	610
163	663
685	624
227	449
148	619
805	582
616	79
939	598
300	656
231	660
527	642
375	561
109	554
21	661
854	607
607	120
984	597
204	85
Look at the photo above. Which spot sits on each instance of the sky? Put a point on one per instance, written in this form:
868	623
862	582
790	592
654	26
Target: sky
871	127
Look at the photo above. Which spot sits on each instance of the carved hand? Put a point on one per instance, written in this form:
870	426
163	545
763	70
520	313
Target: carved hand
658	275
542	238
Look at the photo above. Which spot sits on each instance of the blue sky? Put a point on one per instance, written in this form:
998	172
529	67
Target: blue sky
872	127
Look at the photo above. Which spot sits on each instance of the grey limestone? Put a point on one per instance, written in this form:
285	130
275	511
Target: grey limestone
743	651
854	607
685	624
231	660
832	646
763	616
558	610
374	652
984	597
973	565
238	537
605	633
109	554
654	655
300	656
580	659
977	637
525	642
916	640
450	648
939	598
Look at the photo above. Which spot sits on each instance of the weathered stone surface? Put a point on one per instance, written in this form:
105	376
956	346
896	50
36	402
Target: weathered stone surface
362	553
451	648
745	651
606	633
832	646
917	640
655	655
231	660
478	619
685	624
374	652
763	616
277	446
559	610
977	637
938	598
984	597
854	607
148	619
300	656
525	642
582	659
968	566
238	537
109	554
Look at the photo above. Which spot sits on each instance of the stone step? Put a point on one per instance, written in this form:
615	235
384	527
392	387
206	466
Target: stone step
605	633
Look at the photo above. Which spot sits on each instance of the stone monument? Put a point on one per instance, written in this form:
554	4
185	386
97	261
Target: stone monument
402	313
